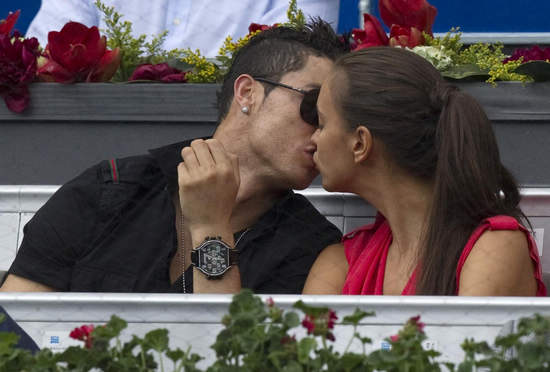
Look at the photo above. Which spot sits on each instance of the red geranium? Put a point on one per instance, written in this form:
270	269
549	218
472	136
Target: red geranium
17	69
83	333
535	53
372	35
408	13
78	53
159	72
6	25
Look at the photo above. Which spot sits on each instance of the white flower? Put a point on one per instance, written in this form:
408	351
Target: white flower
437	56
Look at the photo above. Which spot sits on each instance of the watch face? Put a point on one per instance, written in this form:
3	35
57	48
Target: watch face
214	258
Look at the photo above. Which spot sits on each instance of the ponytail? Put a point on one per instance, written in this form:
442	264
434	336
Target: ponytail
470	184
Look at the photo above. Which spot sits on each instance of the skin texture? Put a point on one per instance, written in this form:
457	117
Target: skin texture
353	161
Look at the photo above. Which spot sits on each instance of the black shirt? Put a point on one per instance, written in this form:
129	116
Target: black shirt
112	229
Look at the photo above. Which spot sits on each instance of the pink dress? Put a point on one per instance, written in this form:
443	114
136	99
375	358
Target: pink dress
367	249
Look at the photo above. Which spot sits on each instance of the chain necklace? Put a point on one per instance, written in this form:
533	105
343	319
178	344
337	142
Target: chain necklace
183	249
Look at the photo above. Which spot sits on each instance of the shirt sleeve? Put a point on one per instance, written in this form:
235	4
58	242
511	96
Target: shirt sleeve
53	15
59	233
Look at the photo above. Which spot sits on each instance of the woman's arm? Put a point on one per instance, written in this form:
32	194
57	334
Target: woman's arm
499	265
328	273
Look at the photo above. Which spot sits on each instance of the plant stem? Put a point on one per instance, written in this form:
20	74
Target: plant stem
351	339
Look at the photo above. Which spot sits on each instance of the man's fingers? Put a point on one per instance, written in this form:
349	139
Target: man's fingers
218	151
189	157
202	152
235	164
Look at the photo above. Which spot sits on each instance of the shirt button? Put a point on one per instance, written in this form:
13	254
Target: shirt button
177	21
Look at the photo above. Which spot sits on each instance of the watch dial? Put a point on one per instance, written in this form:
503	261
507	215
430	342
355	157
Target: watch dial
214	258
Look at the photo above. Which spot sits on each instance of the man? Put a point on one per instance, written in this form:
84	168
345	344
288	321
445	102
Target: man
132	224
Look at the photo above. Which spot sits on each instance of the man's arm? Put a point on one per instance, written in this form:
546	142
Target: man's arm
14	283
208	181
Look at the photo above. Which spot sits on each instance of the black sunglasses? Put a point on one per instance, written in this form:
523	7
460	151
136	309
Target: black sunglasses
308	107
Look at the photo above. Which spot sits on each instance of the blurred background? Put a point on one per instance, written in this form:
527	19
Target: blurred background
473	16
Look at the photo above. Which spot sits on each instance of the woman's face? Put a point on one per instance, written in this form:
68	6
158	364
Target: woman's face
333	157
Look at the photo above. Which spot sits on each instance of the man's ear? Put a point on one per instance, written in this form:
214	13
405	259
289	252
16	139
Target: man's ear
243	91
362	144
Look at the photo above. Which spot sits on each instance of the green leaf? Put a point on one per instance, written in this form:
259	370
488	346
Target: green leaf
310	310
291	320
305	347
156	339
465	71
538	70
357	316
292	366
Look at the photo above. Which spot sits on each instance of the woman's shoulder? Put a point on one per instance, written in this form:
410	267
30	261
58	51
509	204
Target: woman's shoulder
500	258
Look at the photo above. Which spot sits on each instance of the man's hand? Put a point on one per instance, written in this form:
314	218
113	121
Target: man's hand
208	181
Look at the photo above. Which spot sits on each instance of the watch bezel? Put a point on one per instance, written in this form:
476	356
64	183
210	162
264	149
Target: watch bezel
199	252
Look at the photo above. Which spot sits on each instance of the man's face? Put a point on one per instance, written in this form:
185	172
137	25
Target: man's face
279	137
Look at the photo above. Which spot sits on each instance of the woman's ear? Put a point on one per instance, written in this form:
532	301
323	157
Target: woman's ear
362	144
243	92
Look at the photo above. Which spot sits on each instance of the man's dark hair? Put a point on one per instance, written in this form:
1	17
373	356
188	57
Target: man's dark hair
277	51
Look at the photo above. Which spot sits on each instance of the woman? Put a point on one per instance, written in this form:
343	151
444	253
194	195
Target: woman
394	132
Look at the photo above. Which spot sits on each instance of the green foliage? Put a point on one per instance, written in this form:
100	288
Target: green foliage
260	337
295	16
477	61
134	51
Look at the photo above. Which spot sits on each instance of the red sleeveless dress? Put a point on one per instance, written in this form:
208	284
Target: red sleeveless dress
367	249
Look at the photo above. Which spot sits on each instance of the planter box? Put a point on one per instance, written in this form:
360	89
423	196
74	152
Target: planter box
67	128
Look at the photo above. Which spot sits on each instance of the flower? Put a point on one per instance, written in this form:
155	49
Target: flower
530	54
83	333
159	72
256	27
372	35
309	324
78	53
415	321
409	37
408	13
270	302
394	338
6	25
17	69
437	56
331	319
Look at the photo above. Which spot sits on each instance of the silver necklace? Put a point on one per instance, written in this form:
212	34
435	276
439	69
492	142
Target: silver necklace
183	249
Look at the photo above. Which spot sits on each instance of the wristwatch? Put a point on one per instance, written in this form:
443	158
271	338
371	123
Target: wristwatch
214	257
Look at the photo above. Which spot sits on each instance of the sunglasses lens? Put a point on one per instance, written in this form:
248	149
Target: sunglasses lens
308	108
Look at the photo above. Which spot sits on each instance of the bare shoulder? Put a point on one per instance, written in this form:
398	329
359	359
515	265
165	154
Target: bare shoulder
16	283
499	265
328	273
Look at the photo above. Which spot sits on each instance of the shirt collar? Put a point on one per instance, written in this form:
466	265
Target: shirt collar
168	157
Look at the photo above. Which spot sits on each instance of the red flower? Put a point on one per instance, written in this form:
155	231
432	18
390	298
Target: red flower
529	54
405	36
270	302
159	72
17	69
372	35
6	25
331	318
309	324
394	338
408	13
83	333
78	53
415	320
255	27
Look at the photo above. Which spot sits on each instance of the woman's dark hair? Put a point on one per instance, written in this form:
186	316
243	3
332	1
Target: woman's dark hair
277	51
434	132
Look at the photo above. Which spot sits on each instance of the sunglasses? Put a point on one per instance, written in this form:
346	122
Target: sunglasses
308	107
